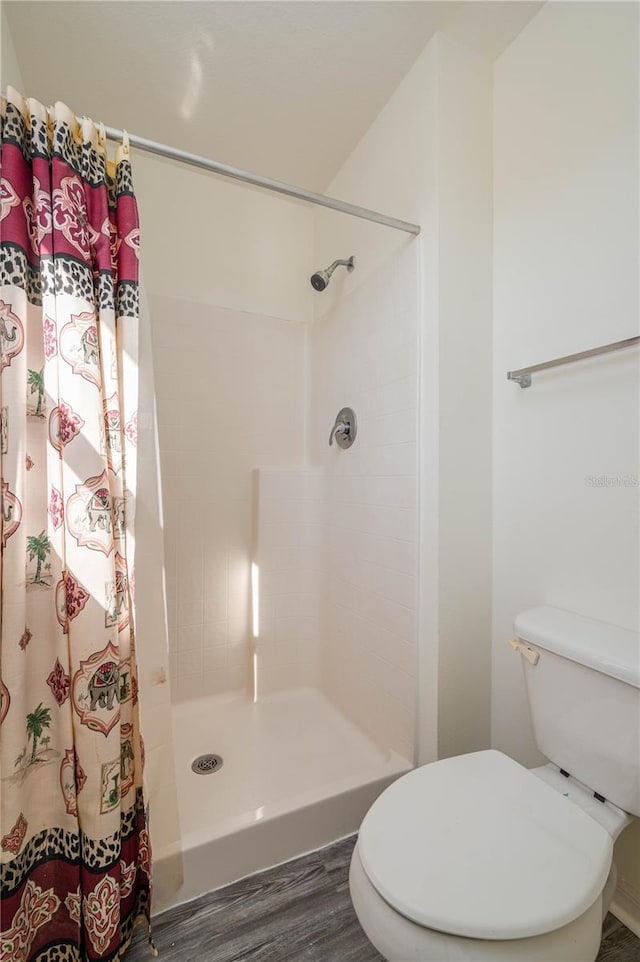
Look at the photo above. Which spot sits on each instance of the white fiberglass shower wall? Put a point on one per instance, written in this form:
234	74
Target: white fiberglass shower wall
228	326
363	353
409	333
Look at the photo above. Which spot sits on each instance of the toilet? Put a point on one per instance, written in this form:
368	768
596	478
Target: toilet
477	858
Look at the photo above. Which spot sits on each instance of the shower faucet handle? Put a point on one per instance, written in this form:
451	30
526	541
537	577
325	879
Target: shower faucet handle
339	430
345	428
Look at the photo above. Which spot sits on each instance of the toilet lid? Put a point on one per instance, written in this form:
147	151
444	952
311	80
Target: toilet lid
478	846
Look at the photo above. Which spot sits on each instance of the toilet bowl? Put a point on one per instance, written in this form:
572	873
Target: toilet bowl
400	940
477	858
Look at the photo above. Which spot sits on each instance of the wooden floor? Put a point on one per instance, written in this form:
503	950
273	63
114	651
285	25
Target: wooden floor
298	911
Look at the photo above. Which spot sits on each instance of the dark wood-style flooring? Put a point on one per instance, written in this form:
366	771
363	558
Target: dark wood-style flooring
297	911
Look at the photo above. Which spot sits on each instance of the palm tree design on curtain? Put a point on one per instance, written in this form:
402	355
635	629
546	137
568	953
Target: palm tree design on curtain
37	721
47	371
36	383
38	546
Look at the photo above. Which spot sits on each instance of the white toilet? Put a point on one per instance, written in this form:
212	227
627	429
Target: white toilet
476	858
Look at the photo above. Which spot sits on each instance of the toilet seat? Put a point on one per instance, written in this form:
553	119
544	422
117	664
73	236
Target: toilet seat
478	846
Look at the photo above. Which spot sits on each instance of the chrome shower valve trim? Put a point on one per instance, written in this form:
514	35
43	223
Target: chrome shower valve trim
345	429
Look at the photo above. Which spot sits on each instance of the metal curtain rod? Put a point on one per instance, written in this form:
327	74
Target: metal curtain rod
523	375
247	177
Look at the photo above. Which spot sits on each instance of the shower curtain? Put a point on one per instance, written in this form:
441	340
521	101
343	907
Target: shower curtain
74	843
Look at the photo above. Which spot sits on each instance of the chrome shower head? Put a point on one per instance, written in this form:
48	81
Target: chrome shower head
320	280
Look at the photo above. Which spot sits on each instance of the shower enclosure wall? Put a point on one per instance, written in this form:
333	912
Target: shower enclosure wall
291	567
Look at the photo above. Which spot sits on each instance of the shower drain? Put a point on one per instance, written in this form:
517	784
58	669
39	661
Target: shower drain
206	764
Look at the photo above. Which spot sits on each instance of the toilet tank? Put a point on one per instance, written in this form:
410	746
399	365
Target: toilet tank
584	697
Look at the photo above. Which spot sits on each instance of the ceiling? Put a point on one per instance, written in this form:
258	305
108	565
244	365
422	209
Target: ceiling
285	88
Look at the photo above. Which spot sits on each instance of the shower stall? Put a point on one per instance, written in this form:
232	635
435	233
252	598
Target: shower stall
290	567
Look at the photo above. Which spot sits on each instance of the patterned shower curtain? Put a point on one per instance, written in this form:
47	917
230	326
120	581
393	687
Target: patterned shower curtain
74	843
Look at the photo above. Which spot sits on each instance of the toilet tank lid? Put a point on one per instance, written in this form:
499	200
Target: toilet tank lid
607	648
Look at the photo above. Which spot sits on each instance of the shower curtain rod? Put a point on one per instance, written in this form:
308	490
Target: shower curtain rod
257	180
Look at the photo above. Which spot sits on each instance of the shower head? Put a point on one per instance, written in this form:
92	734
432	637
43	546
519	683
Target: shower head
320	280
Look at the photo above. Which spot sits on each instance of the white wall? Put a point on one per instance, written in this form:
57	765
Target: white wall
464	171
289	505
230	394
10	72
364	355
218	242
566	279
226	268
425	159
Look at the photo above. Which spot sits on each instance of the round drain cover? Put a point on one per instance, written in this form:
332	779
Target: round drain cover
206	764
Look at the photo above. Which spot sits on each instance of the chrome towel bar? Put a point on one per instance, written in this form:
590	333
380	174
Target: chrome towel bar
523	375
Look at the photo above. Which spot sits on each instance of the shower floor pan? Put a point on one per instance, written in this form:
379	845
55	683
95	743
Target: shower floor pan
295	775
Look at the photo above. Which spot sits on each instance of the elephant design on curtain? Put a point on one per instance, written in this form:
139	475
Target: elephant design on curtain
74	844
